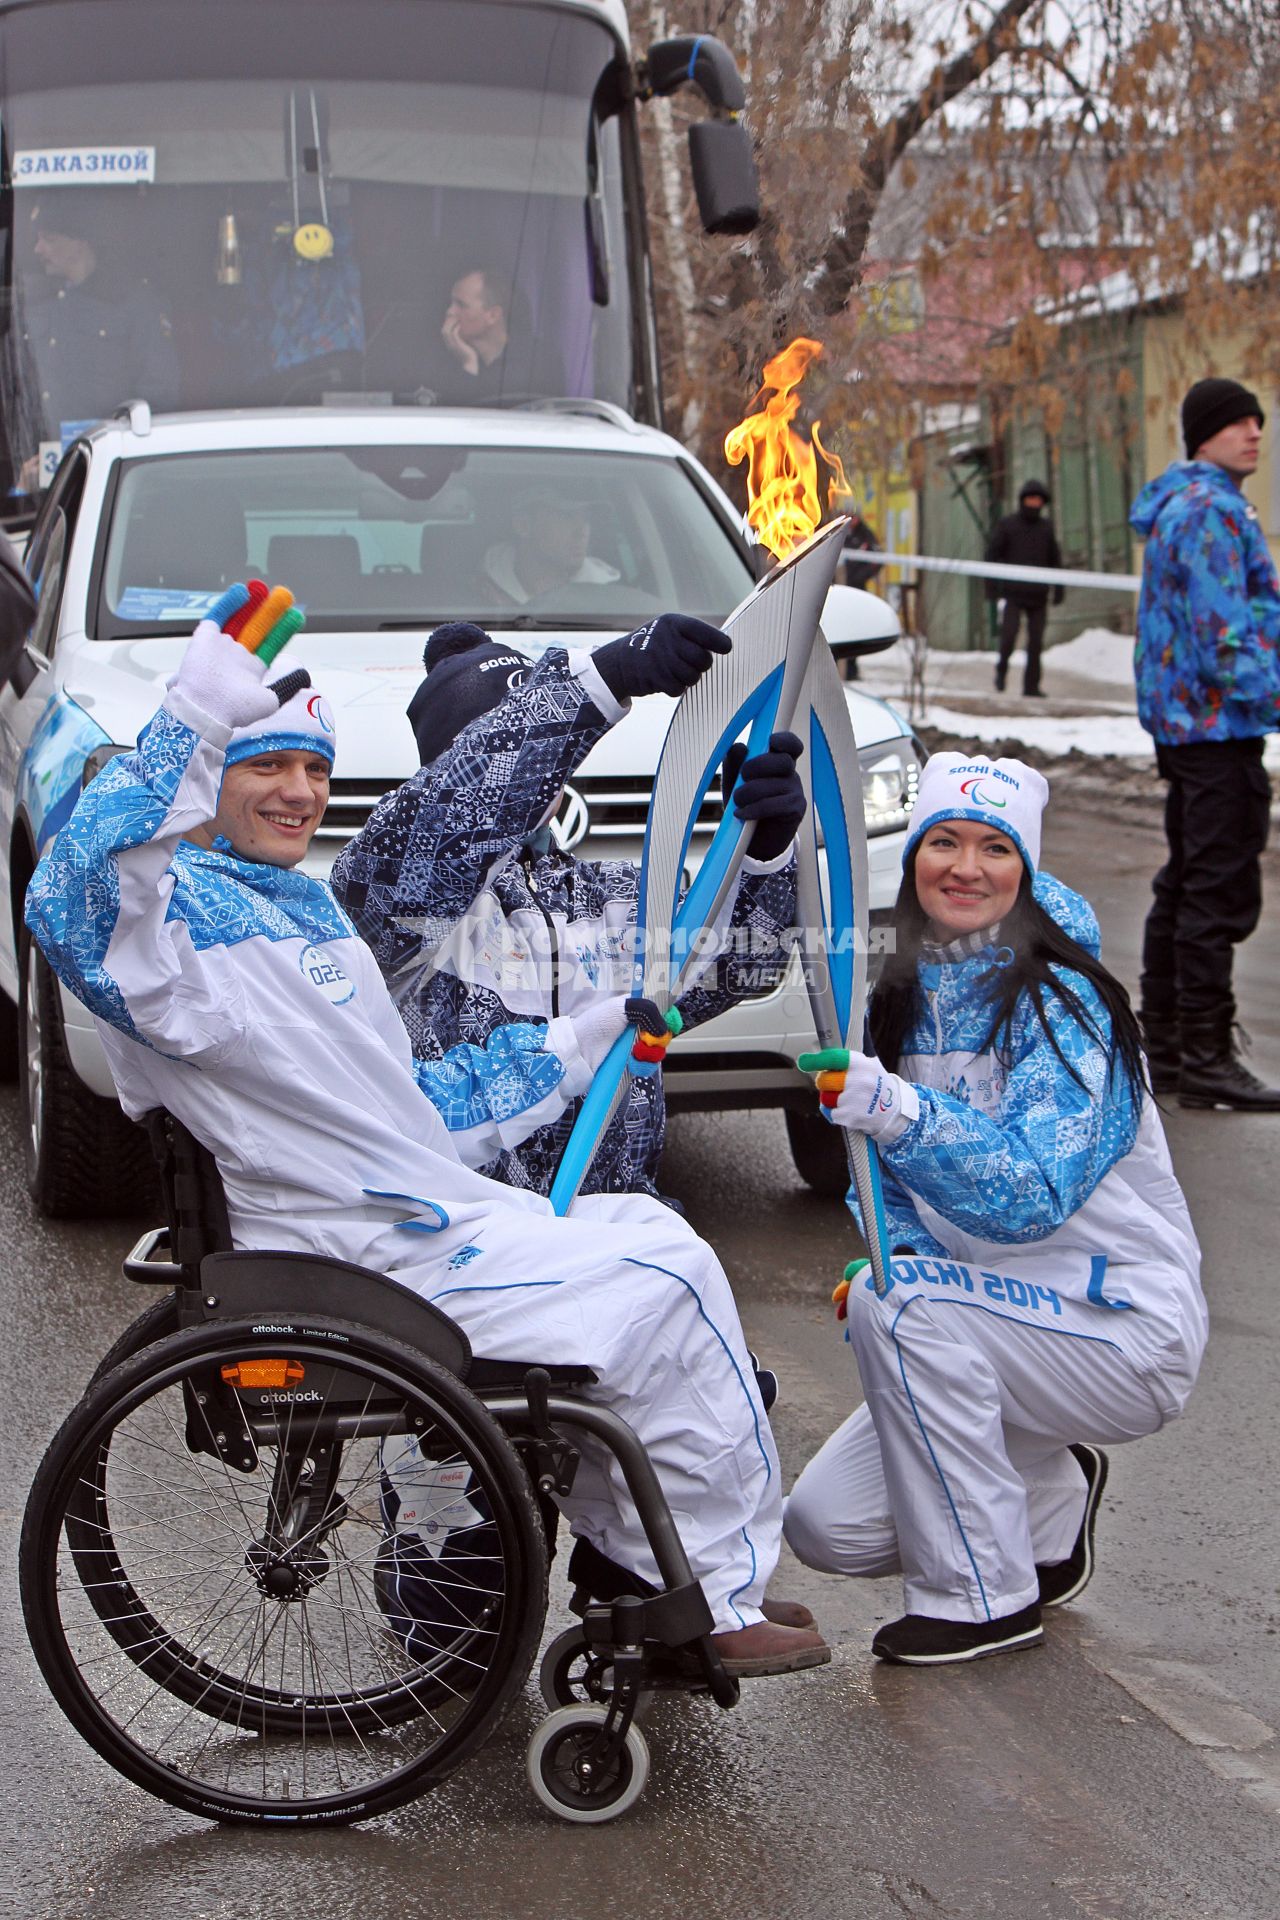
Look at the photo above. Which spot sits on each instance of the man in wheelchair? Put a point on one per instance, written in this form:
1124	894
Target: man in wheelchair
230	989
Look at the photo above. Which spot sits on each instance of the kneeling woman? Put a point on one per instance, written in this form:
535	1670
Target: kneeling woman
1045	1288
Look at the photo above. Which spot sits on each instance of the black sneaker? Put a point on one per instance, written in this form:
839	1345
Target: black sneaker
1066	1579
919	1641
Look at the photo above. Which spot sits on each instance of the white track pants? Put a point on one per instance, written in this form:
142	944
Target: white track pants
625	1286
956	1472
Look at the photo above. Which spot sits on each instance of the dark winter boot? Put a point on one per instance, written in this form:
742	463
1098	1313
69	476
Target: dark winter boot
1213	1074
1002	672
1163	1049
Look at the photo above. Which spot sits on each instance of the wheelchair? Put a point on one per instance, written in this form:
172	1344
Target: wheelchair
233	1603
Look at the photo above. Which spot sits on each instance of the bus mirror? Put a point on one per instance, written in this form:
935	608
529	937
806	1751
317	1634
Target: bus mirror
724	176
698	60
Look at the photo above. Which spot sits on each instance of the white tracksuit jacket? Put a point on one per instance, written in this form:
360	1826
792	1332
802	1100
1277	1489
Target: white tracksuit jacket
1054	1297
239	997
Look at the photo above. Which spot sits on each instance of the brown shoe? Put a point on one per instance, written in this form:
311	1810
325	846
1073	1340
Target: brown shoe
787	1613
749	1652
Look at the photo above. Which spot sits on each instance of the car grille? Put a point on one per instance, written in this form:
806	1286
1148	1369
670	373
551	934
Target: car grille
618	807
350	804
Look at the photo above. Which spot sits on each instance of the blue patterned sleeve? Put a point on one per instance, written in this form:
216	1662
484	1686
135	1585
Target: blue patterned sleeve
1235	648
97	903
1016	1176
423	854
493	1097
755	945
904	1225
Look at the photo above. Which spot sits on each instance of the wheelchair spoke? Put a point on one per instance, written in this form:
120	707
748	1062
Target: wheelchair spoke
228	1601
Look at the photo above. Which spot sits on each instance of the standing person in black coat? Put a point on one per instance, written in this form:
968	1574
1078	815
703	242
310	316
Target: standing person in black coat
1024	539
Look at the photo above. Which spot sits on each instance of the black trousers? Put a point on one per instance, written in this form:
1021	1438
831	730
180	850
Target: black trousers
1009	621
1208	894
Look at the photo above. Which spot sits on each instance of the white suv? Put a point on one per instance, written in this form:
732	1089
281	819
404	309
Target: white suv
384	521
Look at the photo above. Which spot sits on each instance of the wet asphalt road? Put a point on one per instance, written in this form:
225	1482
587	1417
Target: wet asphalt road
1130	1770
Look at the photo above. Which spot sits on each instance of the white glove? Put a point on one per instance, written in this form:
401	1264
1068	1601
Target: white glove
597	1027
223	679
867	1097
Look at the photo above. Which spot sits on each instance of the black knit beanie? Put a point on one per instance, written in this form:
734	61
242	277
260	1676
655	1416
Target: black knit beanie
1212	405
467	673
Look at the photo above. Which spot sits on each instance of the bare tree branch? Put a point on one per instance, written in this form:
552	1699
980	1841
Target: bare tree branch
841	262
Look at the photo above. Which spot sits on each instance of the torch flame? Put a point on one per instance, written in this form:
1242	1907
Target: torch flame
783	503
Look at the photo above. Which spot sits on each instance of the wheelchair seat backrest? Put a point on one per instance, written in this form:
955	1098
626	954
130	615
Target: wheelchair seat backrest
195	1206
252	1282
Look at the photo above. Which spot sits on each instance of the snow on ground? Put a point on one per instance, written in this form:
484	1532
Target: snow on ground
1091	707
1097	654
1095	733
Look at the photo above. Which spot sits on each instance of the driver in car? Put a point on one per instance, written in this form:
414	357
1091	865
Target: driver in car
549	550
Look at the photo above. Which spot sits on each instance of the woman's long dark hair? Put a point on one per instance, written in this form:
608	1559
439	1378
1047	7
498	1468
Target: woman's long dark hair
1041	953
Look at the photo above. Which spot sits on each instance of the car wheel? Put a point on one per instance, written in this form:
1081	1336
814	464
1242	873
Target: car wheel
8	1039
819	1153
83	1158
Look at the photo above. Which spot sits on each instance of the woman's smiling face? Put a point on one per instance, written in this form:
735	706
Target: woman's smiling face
967	876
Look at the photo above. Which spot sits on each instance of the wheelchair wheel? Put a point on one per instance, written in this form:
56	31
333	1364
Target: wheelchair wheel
570	1674
562	1774
198	1570
157	1321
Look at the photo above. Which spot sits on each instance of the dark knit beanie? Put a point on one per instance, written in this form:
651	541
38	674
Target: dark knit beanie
1030	487
1212	405
467	673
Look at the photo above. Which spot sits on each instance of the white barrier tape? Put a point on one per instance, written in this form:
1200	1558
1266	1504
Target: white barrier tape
990	570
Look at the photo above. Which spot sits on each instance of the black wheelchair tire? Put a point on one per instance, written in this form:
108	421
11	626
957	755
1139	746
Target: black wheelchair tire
70	1466
156	1323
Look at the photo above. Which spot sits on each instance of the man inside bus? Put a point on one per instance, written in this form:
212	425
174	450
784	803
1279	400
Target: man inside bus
548	551
98	337
486	347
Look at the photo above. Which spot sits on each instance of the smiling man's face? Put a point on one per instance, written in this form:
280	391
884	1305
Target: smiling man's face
270	806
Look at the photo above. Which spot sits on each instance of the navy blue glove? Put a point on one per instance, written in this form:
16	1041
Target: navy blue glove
665	657
769	791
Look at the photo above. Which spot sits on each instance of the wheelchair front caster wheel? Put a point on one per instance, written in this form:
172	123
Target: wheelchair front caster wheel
568	1782
569	1675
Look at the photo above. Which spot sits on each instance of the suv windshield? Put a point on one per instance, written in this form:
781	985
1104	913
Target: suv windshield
245	204
385	536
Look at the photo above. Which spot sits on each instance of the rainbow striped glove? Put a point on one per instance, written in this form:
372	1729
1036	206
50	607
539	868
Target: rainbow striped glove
857	1092
225	665
840	1298
656	1032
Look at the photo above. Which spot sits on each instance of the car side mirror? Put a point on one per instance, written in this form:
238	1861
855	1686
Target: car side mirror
17	612
857	623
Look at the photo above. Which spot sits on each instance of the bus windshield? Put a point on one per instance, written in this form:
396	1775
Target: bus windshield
288	202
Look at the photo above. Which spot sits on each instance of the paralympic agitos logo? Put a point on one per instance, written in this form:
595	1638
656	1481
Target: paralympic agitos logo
971	789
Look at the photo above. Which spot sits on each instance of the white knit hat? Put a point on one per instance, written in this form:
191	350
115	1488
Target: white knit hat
1005	794
304	724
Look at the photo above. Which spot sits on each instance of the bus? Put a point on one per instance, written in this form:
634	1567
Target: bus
282	203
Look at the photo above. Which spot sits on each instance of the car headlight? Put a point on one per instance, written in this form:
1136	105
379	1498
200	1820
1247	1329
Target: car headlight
890	782
96	761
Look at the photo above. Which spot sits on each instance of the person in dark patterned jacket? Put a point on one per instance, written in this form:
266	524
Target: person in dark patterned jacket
478	922
1208	679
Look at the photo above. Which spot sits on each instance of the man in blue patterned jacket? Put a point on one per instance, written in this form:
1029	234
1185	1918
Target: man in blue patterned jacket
1209	691
479	924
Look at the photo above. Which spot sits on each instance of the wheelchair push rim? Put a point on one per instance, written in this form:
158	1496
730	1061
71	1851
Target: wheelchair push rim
206	1613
